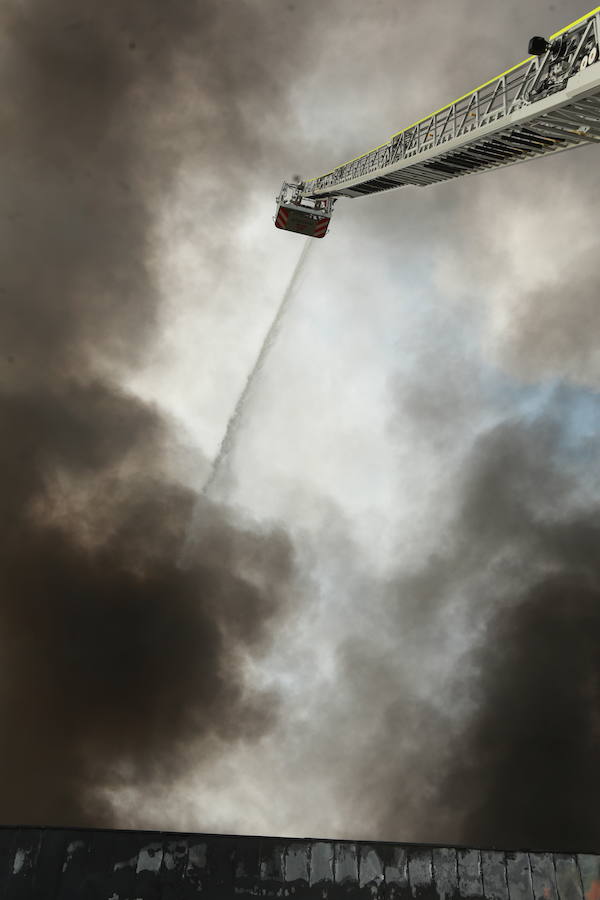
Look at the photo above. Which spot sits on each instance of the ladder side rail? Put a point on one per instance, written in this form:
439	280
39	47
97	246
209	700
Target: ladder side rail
428	132
555	123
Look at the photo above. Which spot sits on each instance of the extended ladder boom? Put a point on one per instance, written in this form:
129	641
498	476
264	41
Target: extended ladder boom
548	103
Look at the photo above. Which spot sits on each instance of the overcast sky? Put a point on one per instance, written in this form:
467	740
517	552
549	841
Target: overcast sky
390	626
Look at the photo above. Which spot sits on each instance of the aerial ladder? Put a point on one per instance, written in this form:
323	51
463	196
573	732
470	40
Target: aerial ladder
548	103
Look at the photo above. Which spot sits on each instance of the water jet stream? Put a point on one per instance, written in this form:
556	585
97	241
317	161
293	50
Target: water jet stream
236	416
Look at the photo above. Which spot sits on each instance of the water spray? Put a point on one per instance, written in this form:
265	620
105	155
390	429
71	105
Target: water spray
235	418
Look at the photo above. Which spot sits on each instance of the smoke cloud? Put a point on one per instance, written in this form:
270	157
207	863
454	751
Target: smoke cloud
500	748
539	290
117	665
526	764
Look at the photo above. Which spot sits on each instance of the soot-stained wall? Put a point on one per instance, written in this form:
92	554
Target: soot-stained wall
62	864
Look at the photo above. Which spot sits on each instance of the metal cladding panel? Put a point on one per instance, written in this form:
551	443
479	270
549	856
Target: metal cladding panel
247	860
493	872
346	869
272	866
321	869
22	863
70	864
216	864
149	864
371	871
470	883
395	873
49	864
518	874
568	879
76	866
543	876
123	878
420	874
589	867
297	866
445	871
173	868
88	861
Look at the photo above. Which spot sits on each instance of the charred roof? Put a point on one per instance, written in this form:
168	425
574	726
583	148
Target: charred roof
64	864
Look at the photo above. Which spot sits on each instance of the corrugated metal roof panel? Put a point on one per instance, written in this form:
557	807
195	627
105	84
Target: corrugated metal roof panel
63	864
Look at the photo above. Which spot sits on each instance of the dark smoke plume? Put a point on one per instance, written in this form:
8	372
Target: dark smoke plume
528	763
116	665
526	769
506	753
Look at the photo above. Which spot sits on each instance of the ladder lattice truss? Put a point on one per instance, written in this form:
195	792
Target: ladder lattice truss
543	105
